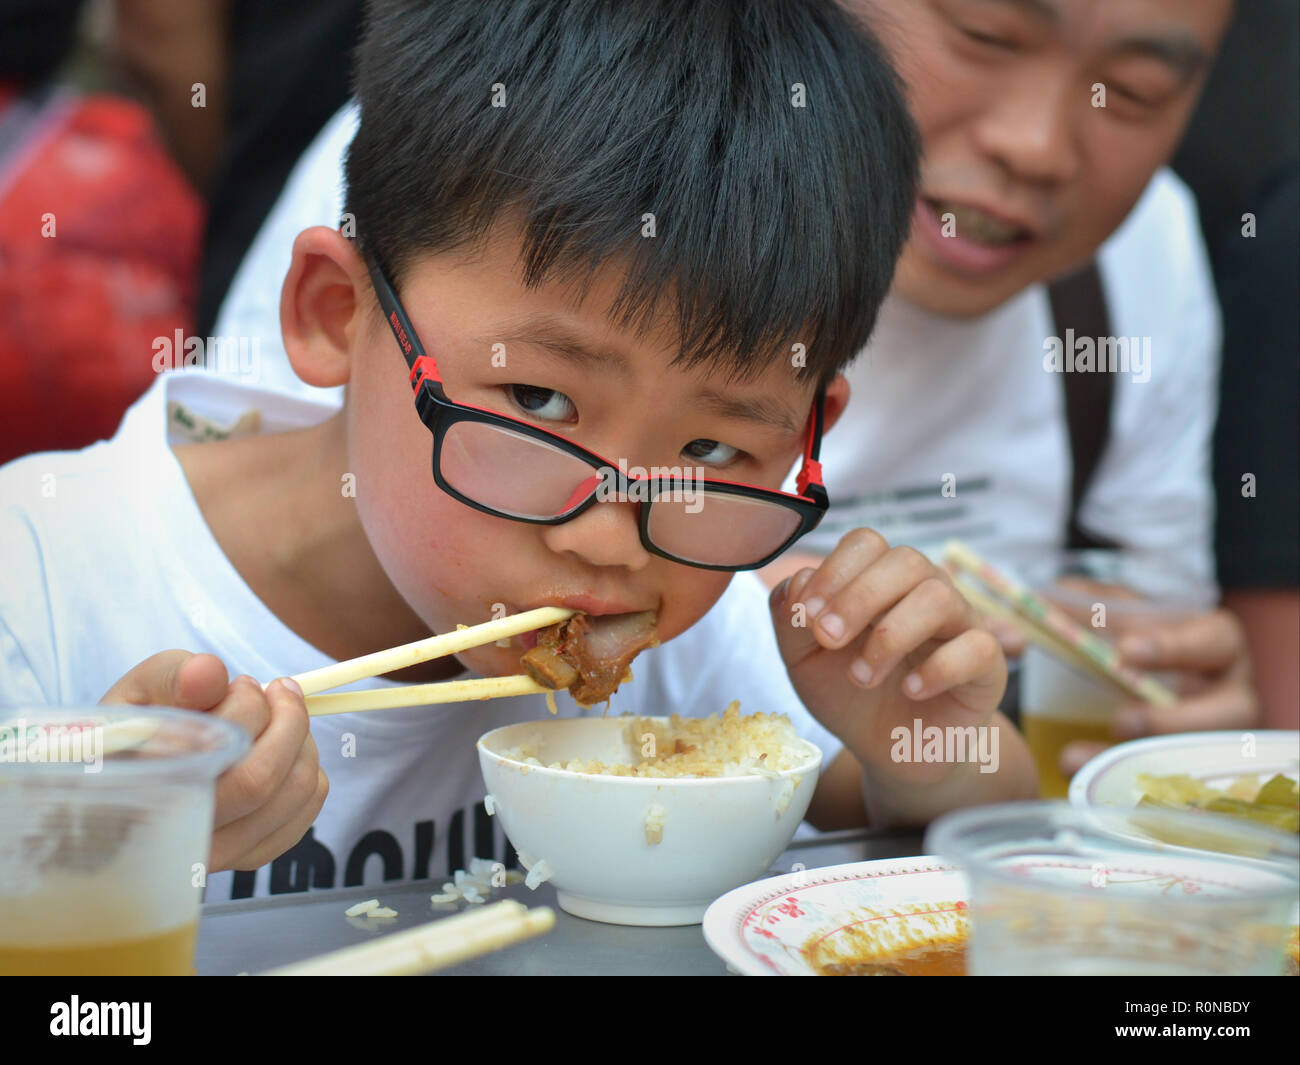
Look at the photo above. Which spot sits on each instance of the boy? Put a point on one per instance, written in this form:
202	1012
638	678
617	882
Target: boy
613	223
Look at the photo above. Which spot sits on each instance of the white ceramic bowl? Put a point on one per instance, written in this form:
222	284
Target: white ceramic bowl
718	832
1214	758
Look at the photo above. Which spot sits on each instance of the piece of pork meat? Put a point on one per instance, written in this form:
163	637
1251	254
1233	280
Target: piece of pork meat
590	655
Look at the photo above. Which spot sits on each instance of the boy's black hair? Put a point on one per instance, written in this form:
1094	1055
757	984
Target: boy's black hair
774	223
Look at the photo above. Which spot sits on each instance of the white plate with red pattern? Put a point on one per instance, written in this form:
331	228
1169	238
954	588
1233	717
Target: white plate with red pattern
787	925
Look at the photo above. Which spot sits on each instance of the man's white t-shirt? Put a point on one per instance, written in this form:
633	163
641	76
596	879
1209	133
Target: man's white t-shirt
107	561
954	429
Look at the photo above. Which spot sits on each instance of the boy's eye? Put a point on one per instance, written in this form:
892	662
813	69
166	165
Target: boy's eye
543	403
710	452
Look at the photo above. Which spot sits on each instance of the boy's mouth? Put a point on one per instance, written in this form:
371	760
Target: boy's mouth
589	654
586	604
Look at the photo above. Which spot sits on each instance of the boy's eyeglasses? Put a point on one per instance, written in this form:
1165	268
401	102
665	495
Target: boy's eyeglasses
510	468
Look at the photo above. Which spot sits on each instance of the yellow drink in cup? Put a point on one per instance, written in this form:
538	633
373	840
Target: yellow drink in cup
1114	594
105	826
169	953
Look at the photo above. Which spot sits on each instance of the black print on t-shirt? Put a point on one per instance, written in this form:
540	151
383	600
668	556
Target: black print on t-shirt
936	517
310	865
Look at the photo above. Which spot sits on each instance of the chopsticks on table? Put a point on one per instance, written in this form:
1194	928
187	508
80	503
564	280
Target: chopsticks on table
431	946
994	592
372	665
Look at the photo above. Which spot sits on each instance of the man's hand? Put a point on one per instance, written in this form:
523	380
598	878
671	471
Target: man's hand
1216	689
268	800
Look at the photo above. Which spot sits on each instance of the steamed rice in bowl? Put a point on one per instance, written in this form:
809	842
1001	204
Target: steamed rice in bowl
646	820
733	746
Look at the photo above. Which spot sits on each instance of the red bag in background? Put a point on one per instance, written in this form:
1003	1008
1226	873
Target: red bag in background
99	252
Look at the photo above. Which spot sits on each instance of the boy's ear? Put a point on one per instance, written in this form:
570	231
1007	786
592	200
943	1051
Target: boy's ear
837	398
321	306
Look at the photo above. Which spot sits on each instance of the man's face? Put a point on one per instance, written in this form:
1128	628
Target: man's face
564	366
1042	121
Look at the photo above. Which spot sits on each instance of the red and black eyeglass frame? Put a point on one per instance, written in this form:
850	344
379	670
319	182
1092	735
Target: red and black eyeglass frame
438	413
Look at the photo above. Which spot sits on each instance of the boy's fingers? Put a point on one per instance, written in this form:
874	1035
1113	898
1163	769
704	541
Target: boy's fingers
290	834
855	552
794	635
273	828
277	719
867	595
172	678
1209	643
245	705
969	667
932	610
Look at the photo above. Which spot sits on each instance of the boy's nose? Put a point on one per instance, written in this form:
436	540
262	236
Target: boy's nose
606	534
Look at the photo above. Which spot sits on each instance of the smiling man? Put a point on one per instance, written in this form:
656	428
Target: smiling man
1043	121
1046	125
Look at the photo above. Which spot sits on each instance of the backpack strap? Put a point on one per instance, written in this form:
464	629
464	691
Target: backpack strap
1079	302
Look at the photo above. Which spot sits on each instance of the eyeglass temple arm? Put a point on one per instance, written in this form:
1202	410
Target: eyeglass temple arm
809	481
423	366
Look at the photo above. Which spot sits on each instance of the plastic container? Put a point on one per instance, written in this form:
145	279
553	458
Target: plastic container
105	826
1059	890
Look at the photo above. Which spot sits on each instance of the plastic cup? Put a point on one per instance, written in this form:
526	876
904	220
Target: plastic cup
1058	890
105	826
1113	593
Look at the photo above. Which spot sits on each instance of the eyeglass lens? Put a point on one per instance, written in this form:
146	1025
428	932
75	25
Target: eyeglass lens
519	476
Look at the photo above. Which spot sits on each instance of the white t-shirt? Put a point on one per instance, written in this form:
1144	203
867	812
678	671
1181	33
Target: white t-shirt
954	428
107	560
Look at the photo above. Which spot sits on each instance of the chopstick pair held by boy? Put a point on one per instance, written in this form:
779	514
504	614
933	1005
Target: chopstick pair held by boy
610	271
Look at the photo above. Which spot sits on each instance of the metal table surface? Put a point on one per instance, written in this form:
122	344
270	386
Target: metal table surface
253	935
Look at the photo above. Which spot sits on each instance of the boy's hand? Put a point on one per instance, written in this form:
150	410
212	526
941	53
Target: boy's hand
268	800
885	639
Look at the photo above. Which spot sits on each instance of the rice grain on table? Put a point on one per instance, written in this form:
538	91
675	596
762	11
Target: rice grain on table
362	907
538	875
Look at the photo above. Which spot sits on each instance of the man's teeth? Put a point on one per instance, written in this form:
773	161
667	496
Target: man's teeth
973	224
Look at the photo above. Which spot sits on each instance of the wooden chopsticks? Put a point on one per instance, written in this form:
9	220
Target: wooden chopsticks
315	681
1046	625
432	946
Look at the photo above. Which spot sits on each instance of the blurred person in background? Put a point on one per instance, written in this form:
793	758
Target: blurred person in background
99	240
1040	177
105	245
